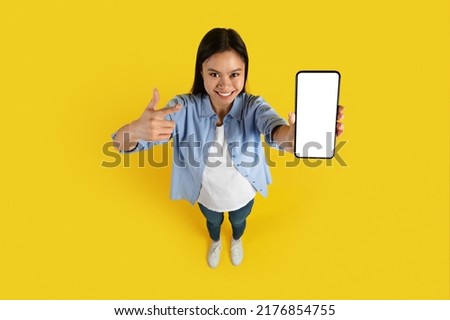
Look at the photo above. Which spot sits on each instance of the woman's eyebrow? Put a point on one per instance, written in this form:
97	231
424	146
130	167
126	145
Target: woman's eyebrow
213	70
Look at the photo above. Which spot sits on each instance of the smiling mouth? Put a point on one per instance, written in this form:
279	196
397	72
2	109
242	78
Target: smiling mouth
224	94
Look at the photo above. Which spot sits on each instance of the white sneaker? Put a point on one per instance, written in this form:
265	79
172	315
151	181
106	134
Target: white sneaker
214	253
237	252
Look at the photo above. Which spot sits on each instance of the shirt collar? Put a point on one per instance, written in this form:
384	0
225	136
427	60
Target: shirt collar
235	112
236	109
206	110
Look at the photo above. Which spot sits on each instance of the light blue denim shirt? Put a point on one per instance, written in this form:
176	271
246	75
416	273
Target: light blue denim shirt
249	118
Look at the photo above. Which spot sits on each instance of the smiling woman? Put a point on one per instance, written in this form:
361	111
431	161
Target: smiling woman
224	78
219	117
215	41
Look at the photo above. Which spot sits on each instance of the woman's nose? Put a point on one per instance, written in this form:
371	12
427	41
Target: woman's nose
224	82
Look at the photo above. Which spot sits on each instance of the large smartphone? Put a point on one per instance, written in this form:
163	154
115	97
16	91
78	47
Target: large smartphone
316	110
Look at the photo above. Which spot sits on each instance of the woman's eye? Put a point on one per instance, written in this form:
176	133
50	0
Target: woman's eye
214	75
234	75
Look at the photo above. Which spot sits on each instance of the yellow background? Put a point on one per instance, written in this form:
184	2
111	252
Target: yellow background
73	72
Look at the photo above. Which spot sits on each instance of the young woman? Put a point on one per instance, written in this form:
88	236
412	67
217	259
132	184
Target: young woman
218	158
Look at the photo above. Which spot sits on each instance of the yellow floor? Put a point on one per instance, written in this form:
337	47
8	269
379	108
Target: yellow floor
374	228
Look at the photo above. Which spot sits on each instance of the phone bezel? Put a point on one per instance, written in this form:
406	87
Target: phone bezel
297	123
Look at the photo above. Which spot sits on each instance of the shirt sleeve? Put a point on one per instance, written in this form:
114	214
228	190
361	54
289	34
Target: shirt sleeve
267	120
141	145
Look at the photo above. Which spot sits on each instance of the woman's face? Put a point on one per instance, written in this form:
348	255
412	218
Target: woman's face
223	76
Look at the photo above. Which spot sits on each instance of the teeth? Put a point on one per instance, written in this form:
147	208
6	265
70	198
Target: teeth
224	94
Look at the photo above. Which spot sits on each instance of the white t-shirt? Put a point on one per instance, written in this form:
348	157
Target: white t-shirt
223	186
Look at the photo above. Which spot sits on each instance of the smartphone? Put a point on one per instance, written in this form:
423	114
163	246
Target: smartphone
316	110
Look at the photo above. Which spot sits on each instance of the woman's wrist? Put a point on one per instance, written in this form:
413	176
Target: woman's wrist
127	137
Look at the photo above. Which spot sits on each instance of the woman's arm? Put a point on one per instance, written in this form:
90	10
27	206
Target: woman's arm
284	135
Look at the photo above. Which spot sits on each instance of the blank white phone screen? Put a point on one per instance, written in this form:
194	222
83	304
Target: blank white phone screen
316	111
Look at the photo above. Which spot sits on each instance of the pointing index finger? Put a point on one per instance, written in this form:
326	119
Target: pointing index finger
169	110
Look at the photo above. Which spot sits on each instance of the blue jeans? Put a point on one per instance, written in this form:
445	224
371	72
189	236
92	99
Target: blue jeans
238	219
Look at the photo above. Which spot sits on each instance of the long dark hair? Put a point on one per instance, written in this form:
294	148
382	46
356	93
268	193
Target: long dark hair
215	41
